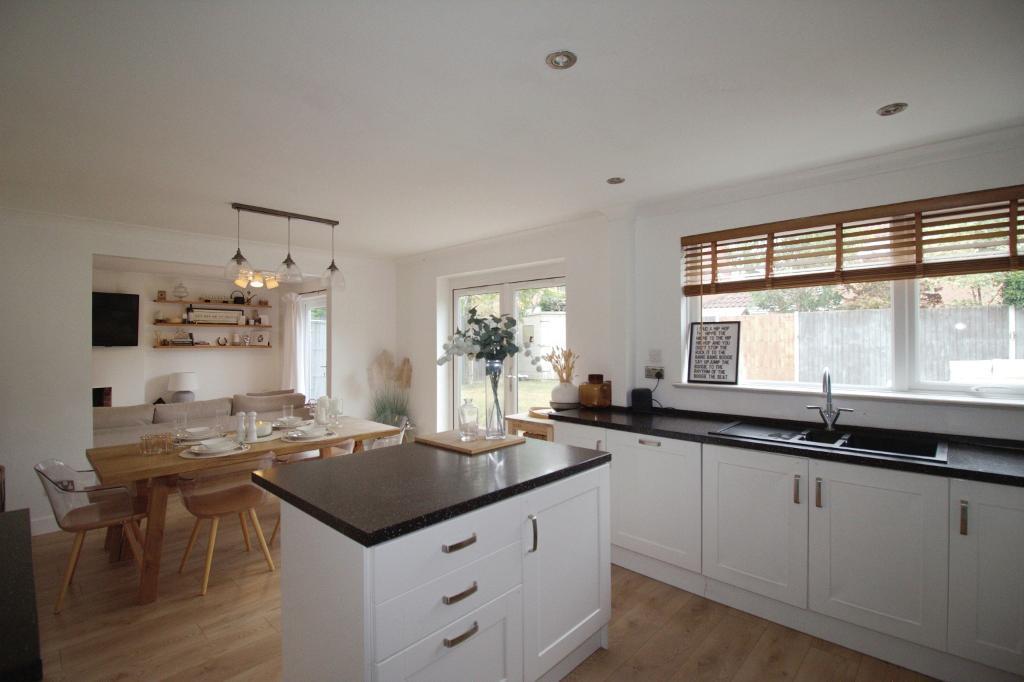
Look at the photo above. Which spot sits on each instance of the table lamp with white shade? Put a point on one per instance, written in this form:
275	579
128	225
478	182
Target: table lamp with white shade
183	385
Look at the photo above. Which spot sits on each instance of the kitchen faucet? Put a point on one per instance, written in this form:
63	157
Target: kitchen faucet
829	414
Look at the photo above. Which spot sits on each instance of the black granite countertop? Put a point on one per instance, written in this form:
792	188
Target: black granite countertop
19	627
383	494
994	461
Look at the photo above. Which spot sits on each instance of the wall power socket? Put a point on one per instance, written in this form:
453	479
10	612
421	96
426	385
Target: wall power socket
654	372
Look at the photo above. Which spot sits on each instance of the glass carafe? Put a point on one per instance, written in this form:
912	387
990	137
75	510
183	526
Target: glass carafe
469	421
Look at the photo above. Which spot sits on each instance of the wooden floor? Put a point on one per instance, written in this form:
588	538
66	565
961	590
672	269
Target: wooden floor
233	633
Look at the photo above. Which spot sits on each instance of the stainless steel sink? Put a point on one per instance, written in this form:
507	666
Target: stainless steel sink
852	442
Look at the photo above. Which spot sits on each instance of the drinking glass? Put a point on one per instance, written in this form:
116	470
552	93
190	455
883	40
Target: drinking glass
181	424
287	413
150	443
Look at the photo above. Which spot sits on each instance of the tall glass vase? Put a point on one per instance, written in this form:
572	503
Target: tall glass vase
494	428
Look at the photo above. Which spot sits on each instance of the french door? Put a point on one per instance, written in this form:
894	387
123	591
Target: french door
539	307
313	345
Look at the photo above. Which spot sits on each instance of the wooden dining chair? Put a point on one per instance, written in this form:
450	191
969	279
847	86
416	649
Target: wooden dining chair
81	504
220	492
345	447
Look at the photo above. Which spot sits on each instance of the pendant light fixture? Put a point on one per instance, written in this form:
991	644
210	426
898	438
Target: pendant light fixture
238	269
333	278
288	272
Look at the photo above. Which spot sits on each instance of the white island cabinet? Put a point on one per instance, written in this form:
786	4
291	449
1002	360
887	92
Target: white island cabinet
518	589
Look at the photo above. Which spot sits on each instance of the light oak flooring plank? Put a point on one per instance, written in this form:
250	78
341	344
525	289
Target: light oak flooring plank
657	632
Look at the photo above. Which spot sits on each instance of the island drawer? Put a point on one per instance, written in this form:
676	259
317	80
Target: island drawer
408	617
415	559
621	439
485	644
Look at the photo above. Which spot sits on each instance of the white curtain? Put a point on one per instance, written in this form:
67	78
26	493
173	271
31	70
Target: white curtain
293	374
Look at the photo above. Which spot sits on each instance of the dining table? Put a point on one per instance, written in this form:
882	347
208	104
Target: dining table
157	475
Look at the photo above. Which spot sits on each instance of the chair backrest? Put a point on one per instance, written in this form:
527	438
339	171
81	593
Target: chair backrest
65	487
389	441
227	476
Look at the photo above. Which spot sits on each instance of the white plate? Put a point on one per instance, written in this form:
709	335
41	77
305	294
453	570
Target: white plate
190	435
214	446
296	422
189	454
288	437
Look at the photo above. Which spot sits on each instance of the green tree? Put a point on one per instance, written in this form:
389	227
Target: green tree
806	299
1013	288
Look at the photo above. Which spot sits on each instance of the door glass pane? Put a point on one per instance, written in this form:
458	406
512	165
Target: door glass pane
314	340
968	329
469	374
540	316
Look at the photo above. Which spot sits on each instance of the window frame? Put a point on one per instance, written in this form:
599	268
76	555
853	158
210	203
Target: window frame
905	369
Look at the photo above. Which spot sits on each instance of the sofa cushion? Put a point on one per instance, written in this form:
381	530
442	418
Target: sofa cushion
198	409
114	417
267	403
283	391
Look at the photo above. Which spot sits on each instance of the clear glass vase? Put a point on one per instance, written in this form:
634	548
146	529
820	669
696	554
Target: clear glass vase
494	428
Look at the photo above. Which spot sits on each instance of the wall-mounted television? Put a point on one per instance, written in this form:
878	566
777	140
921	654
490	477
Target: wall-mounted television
115	319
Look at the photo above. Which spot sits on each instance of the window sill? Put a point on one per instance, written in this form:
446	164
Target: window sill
927	397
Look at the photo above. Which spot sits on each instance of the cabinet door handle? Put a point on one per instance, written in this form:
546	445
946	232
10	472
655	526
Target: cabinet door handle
597	446
455	641
647	441
536	538
817	493
963	517
456	598
448	549
796	489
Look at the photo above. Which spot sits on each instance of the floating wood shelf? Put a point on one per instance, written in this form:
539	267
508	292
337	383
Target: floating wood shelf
209	347
217	303
203	324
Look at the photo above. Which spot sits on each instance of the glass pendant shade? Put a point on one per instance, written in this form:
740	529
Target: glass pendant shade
238	268
289	272
256	281
270	280
333	278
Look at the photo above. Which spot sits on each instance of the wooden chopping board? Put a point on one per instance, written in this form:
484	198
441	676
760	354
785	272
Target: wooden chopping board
449	440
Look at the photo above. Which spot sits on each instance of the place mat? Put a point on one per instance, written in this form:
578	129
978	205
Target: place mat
188	454
330	435
449	440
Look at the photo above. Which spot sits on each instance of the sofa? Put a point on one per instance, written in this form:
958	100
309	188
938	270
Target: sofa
120	425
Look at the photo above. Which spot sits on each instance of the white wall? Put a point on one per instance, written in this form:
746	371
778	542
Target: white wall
579	250
46	345
139	374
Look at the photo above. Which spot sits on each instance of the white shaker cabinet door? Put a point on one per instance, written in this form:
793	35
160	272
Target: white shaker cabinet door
656	494
566	567
755	522
591	437
986	574
879	549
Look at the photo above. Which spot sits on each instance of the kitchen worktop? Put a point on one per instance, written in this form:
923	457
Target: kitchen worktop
379	495
19	628
979	459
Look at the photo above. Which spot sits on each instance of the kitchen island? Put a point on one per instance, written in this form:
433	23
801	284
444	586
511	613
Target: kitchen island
414	562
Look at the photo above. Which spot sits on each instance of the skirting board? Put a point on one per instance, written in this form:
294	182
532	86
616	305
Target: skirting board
938	664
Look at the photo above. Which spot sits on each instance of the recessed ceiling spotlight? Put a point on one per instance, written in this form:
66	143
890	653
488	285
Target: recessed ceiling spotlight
615	181
560	60
891	109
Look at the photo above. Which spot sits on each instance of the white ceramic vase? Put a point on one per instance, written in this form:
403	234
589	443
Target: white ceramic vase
565	392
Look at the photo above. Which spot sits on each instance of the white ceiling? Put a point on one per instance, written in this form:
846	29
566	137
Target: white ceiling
425	124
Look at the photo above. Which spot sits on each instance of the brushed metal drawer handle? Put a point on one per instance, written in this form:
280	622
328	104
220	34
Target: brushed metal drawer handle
456	598
450	643
646	441
796	489
817	493
448	549
963	517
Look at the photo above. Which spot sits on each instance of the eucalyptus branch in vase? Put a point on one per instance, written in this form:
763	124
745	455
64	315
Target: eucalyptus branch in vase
491	338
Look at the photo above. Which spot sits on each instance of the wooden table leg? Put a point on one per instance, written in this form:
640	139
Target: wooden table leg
114	543
358	447
157	518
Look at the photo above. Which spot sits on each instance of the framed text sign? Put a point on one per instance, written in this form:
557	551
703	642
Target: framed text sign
714	353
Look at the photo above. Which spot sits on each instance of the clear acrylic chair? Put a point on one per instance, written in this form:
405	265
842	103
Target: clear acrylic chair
81	504
389	441
345	447
224	491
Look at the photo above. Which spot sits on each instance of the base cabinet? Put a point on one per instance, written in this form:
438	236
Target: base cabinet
656	497
566	569
755	522
878	550
488	642
986	574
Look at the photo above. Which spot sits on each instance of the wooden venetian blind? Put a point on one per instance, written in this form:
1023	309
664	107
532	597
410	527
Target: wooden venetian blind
957	234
